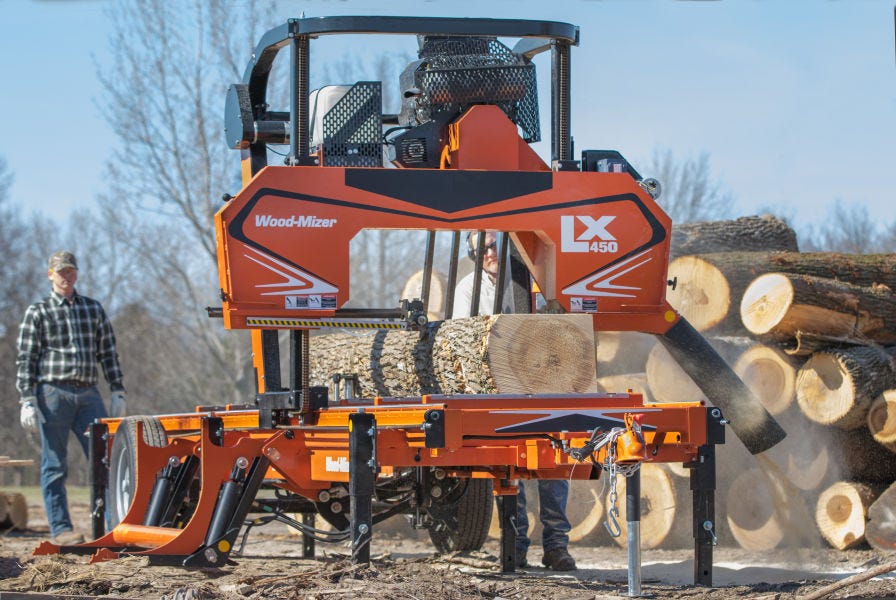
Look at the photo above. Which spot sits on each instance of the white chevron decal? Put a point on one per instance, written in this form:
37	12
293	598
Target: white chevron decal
294	281
601	283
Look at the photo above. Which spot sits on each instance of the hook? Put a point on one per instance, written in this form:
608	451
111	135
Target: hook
612	522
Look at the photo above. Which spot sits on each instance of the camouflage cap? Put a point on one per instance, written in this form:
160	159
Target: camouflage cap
62	260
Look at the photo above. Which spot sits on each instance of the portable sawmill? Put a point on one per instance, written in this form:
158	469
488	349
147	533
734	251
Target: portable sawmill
588	232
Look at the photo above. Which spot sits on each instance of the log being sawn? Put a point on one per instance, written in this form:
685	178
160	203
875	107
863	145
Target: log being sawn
498	354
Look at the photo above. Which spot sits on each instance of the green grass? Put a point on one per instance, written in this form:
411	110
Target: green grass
76	493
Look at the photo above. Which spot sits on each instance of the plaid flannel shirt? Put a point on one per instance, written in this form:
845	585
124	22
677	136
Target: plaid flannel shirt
62	340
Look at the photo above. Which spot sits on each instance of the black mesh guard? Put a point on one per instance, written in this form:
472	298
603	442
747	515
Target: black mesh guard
352	128
456	72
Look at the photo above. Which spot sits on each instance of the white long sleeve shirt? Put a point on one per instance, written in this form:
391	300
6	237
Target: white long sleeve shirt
463	297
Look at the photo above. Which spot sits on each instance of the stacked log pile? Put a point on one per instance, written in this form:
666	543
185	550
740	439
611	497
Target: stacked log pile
813	335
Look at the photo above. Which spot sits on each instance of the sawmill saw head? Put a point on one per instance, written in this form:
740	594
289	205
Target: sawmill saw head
587	232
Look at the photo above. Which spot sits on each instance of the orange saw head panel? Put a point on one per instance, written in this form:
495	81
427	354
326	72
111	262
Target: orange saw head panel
595	242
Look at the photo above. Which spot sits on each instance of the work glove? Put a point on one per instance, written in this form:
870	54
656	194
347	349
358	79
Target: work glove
30	415
116	404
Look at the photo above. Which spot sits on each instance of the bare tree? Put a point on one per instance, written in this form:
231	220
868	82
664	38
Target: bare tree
23	239
689	192
846	228
164	95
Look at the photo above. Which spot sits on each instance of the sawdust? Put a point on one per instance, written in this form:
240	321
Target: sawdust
405	567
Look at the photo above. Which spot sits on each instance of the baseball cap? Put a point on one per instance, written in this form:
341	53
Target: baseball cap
62	260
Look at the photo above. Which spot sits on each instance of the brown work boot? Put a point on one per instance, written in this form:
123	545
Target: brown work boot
558	559
67	538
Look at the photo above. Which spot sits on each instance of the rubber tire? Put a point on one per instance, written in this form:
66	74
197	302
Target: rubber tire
462	520
122	464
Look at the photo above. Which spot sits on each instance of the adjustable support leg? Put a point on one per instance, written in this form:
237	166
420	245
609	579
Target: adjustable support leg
362	480
507	514
99	477
703	486
633	521
307	540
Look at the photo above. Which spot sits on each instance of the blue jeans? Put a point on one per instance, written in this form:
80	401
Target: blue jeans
65	408
552	496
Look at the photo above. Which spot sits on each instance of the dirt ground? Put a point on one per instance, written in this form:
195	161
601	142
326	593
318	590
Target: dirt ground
404	566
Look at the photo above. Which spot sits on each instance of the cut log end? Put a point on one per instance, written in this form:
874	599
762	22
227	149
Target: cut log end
880	531
841	513
766	303
882	420
770	375
702	294
824	390
533	356
750	512
833	387
765	511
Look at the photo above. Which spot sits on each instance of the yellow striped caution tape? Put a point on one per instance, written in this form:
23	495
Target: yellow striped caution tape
347	323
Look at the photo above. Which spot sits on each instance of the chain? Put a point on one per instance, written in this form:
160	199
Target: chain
613	469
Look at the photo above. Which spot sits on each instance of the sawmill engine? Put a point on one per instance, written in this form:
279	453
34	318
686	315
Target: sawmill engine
452	74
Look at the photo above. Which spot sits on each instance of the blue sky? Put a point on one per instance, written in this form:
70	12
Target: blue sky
794	102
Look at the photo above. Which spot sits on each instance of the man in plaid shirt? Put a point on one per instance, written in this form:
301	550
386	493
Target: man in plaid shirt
61	339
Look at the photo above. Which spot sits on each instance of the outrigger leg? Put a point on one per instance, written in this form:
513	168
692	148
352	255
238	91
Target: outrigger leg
703	486
99	477
507	513
362	482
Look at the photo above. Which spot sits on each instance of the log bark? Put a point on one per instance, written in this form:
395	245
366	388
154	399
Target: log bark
856	456
523	354
882	419
841	512
770	374
662	505
805	344
837	387
710	286
781	305
880	531
746	234
622	352
764	512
